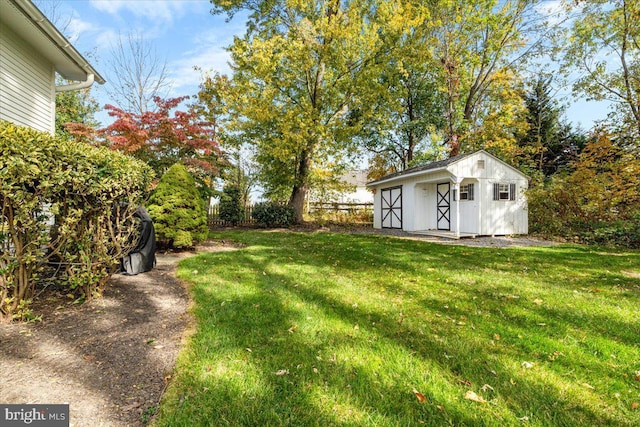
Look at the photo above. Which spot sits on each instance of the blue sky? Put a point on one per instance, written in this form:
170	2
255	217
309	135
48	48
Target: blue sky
186	34
183	32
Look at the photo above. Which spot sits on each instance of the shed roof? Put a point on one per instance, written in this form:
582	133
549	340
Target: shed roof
429	166
26	20
434	166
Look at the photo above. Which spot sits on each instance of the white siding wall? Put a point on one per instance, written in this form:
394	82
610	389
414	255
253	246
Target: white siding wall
27	93
469	210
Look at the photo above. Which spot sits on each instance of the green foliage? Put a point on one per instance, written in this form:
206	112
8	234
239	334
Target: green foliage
603	47
231	208
296	74
77	107
598	202
272	214
549	144
329	329
177	210
92	194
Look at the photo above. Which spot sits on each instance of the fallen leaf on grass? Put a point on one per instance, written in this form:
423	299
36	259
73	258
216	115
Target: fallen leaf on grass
527	365
634	406
486	387
470	395
589	386
292	329
88	357
523	419
538	301
282	372
420	396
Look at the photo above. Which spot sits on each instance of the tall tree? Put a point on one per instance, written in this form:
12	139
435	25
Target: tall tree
549	142
477	44
137	75
604	45
295	78
407	106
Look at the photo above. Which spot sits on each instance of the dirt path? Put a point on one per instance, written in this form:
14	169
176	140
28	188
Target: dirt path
109	359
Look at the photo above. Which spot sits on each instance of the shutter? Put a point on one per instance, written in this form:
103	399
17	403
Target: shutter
496	191
512	191
470	197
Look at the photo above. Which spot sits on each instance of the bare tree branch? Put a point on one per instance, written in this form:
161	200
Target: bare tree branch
137	74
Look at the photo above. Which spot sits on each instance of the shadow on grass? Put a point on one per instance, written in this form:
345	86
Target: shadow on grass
249	363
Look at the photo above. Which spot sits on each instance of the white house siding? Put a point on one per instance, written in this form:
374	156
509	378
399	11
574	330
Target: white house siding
27	93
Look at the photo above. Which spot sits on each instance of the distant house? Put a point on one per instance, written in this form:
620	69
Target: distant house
359	193
349	191
468	195
32	50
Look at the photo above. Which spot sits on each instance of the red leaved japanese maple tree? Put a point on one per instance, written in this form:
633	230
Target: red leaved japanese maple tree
165	136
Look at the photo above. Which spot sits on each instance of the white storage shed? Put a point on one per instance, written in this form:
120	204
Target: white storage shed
474	194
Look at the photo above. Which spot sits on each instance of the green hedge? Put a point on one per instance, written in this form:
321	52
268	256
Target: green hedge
91	192
271	214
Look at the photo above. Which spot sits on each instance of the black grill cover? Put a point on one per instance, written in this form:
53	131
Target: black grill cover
142	257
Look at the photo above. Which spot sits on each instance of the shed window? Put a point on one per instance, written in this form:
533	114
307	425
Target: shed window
466	192
502	191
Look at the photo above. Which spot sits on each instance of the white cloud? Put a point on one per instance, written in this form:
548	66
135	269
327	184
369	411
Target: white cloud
208	54
152	10
77	28
184	77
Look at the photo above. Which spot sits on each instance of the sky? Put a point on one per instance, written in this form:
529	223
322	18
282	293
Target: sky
185	34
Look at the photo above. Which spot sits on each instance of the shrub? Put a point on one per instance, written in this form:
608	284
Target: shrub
177	210
91	192
272	214
231	208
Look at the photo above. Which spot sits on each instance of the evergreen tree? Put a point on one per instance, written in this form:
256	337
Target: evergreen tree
177	210
549	144
231	207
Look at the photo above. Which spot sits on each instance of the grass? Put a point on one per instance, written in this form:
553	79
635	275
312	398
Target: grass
329	329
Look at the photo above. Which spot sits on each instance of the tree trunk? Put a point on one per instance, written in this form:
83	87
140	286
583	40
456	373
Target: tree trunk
301	185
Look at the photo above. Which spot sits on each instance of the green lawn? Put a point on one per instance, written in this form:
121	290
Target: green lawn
331	329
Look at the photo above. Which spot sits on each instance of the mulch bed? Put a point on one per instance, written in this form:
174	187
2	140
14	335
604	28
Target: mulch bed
109	359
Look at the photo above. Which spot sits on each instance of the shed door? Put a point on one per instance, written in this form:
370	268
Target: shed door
444	207
391	207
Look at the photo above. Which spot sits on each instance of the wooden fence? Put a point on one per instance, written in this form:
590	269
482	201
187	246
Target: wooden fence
213	217
343	209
